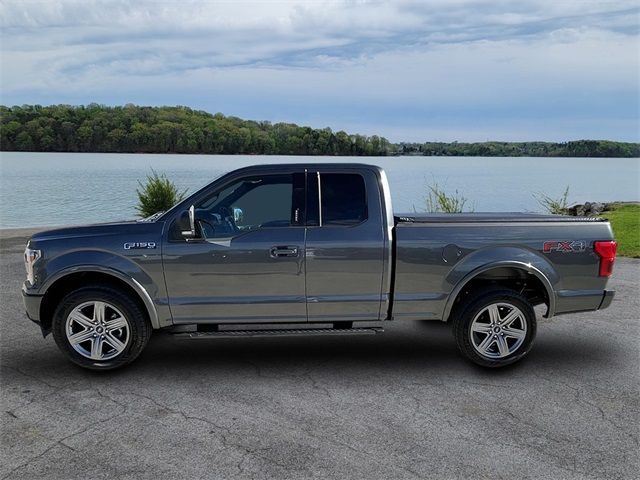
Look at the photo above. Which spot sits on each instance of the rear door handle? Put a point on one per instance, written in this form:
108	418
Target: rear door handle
284	251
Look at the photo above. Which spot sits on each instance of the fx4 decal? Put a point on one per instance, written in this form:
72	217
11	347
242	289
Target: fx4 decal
567	246
136	245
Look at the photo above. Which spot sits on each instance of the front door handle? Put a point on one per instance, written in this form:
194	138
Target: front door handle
284	251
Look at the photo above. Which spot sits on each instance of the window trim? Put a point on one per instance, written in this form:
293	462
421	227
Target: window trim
319	200
366	198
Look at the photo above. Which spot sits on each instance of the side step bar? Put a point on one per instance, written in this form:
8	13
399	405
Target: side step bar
297	332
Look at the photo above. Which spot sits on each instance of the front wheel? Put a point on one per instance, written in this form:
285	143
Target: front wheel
494	327
100	328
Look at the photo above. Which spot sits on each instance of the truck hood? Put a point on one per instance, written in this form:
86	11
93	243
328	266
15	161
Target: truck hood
98	230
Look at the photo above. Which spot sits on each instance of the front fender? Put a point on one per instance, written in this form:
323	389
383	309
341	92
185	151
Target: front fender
487	259
107	263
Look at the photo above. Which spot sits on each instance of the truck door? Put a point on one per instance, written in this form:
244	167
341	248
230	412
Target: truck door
247	263
345	246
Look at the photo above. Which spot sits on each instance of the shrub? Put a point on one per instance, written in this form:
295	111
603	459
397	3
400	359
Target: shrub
158	194
556	206
439	201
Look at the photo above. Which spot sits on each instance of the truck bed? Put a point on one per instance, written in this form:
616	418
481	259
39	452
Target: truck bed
488	217
436	252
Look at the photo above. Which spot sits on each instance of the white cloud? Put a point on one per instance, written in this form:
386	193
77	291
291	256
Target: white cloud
477	58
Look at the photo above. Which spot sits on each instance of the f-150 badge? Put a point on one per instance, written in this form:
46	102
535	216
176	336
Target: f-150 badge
567	246
137	245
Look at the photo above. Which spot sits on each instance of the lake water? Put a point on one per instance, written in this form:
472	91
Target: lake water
45	189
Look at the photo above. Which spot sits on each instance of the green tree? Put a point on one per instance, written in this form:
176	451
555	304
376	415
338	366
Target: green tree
24	142
157	194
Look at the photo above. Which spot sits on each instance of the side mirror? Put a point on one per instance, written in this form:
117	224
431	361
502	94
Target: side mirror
187	222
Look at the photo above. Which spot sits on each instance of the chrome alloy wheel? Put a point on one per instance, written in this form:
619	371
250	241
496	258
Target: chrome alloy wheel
498	330
97	330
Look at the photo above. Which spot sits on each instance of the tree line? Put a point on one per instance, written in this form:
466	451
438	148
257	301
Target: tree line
577	148
137	129
134	129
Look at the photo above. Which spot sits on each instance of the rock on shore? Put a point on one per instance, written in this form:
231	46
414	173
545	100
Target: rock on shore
587	209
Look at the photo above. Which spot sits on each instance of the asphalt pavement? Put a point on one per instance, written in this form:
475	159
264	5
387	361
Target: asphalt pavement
399	405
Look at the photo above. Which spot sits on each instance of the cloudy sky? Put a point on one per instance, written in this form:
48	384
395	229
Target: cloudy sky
409	70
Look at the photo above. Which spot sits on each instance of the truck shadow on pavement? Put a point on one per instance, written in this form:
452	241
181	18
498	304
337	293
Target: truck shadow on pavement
410	350
427	346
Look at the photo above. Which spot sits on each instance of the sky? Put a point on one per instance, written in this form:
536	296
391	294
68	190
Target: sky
441	70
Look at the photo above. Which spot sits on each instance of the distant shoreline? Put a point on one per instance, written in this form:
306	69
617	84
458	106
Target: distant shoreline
412	155
130	128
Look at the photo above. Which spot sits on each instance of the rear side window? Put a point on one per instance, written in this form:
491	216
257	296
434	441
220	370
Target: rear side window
344	199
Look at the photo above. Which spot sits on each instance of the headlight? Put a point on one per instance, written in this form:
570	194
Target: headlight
31	256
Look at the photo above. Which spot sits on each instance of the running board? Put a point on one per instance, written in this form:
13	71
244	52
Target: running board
297	332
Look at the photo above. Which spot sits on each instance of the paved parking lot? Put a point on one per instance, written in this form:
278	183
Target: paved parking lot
399	405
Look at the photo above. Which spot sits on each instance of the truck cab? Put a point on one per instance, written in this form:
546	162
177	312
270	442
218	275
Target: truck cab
285	244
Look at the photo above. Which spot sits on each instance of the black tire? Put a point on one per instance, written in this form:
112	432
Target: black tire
139	327
476	304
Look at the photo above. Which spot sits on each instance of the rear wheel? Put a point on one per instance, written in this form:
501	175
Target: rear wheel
494	327
100	328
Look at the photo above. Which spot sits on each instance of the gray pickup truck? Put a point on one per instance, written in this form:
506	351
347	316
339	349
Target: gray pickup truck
311	249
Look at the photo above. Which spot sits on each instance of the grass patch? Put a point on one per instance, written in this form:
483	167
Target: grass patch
625	222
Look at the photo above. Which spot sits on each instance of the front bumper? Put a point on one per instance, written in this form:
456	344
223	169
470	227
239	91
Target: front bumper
607	298
31	305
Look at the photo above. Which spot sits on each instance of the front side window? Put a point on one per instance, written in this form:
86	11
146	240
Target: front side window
248	204
343	199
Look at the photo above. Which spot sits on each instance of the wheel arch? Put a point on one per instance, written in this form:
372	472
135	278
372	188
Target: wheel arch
73	278
506	273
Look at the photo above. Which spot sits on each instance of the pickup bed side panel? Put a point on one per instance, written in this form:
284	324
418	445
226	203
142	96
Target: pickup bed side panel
435	259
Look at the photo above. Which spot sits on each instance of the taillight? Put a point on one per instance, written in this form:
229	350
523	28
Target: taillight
606	250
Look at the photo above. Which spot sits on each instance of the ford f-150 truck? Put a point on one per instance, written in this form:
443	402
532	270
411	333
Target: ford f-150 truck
311	249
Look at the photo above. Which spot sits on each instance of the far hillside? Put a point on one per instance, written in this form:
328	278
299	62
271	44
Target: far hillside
138	129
